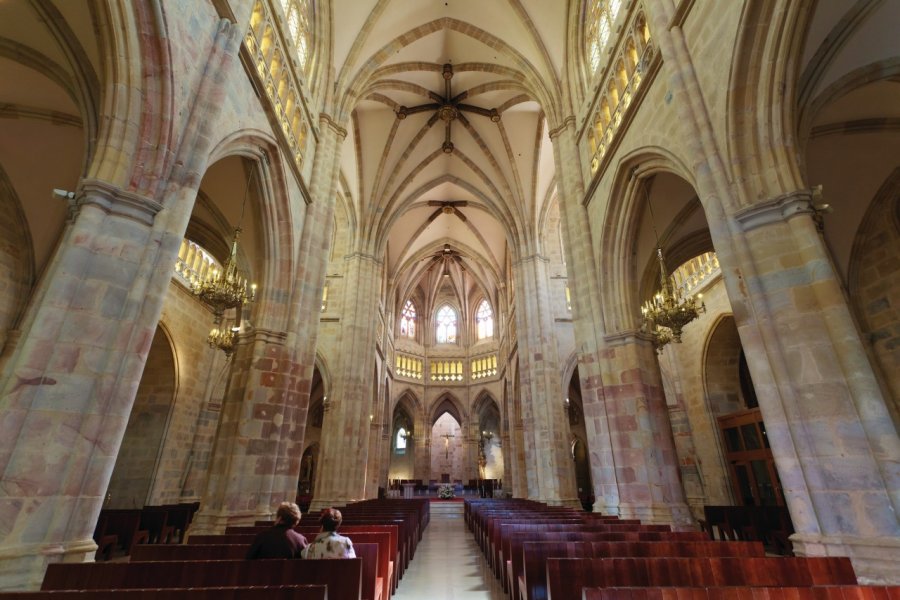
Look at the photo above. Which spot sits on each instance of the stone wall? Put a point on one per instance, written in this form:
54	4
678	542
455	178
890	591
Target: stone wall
135	467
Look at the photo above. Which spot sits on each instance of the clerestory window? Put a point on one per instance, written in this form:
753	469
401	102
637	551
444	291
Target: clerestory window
599	18
408	320
446	325
484	319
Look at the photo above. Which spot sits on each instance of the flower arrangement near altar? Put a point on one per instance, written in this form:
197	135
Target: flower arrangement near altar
446	491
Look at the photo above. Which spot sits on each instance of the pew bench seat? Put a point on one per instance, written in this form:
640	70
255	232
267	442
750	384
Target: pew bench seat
831	592
342	576
262	592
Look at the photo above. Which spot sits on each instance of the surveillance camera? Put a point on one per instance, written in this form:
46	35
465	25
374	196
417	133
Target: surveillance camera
63	194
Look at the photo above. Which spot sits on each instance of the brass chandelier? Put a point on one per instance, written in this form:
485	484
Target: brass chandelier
670	309
227	289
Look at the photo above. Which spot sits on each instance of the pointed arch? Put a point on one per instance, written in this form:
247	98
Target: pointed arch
447	403
616	256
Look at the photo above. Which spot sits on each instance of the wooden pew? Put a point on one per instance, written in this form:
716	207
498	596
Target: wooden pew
831	592
506	529
399	544
342	576
375	575
155	552
512	545
567	576
268	592
154	519
125	525
528	571
235	546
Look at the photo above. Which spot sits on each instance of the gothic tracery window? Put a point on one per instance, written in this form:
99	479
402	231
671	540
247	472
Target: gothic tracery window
484	319
446	324
408	320
299	17
599	17
400	441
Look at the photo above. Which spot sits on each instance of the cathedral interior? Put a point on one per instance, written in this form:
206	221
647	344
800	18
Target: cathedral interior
636	256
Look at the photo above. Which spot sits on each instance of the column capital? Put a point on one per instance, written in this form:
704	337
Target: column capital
268	336
116	201
365	256
628	336
535	257
778	209
332	124
567	122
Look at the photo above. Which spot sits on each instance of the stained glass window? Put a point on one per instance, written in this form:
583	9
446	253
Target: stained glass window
408	320
599	17
446	325
299	18
484	319
400	441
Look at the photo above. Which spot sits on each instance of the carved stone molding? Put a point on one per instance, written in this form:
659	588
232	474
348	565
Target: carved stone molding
116	201
776	210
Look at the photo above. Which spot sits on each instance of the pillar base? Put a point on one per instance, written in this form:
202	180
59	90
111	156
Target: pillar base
212	522
568	502
22	567
875	560
316	506
676	515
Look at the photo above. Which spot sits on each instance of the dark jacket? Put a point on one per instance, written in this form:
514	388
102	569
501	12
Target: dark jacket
280	541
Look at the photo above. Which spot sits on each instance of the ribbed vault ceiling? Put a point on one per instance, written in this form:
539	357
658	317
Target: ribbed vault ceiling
417	194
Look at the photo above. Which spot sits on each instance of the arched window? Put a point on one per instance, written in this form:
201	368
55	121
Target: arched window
484	319
400	441
408	320
298	14
445	330
599	18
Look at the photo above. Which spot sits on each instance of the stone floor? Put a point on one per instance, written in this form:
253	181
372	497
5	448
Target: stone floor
448	565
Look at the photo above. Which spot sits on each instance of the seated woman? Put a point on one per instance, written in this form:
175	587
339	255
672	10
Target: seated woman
329	544
280	541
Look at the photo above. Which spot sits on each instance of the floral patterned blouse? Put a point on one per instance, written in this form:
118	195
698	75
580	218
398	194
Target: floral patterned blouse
329	544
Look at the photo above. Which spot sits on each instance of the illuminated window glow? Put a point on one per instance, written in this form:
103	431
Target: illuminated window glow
446	324
408	320
484	319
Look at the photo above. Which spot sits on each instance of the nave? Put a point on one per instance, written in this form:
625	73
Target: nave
448	564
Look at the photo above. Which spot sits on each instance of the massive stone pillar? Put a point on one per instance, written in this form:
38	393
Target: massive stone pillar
72	382
255	461
828	424
69	386
256	455
343	459
549	471
646	464
835	446
587	319
373	469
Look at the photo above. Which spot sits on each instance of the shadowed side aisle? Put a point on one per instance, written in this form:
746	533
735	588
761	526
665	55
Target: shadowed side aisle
448	564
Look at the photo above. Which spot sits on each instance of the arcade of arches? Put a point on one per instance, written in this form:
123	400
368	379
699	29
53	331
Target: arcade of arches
451	211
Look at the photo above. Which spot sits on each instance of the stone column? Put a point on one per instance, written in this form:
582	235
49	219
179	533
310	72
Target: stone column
69	385
259	442
255	461
835	446
549	471
346	430
373	469
422	468
587	318
72	381
829	427
518	484
646	463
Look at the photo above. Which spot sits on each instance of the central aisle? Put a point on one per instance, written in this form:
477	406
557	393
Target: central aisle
448	565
